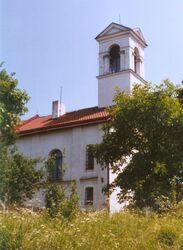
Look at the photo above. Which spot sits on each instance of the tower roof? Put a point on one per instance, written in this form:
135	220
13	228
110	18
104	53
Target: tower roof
114	29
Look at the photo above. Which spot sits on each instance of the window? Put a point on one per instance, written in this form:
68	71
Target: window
89	157
56	164
89	196
115	58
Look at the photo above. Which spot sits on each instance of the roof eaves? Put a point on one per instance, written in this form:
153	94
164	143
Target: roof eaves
64	126
139	37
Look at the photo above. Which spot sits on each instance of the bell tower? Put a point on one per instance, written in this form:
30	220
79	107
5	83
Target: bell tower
121	61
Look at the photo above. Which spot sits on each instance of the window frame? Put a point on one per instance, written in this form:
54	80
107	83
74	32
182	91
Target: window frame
56	172
90	159
89	202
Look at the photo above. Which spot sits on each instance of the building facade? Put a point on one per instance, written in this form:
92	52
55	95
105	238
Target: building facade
69	136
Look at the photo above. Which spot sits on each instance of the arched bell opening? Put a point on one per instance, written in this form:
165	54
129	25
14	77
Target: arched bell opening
114	55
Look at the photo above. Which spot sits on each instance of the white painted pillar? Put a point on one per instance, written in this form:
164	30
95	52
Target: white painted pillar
106	64
122	59
127	59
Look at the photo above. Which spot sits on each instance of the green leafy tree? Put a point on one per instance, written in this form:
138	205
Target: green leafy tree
145	134
19	179
12	106
18	176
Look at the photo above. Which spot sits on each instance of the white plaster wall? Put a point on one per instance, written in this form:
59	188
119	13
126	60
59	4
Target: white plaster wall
122	41
115	206
135	80
73	142
107	85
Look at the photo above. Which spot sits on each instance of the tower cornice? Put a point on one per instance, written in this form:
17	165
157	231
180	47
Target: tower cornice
122	72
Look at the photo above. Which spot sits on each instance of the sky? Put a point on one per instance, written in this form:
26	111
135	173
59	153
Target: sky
50	43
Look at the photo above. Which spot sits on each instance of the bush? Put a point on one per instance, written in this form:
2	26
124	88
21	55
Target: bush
57	202
54	197
19	179
167	237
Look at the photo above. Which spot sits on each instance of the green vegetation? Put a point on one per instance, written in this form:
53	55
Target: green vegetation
12	107
57	200
147	128
59	204
127	230
19	178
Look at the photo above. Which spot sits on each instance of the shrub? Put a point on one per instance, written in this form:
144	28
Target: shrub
54	197
167	237
19	179
57	202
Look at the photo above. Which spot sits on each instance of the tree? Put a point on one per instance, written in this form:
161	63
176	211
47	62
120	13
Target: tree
145	134
12	107
18	176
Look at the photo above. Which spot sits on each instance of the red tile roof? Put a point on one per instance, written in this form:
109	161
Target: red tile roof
83	117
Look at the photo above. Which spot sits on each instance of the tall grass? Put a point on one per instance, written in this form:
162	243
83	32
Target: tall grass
99	230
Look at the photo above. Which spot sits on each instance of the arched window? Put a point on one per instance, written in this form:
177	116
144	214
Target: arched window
56	158
114	58
136	61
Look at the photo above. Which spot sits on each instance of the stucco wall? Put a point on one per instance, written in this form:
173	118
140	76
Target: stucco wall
107	85
72	142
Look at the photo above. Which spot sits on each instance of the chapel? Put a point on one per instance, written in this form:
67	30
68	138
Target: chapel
69	135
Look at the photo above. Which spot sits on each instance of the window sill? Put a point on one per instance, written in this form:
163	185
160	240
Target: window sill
90	170
92	178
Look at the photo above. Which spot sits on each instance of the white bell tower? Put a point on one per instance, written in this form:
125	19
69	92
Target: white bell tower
121	61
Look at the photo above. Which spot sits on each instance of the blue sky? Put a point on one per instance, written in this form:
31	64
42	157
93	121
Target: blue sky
50	43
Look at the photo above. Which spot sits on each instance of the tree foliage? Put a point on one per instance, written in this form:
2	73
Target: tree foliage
57	200
19	179
18	176
145	134
12	106
59	204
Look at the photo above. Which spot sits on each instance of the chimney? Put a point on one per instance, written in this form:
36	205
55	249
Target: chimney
58	109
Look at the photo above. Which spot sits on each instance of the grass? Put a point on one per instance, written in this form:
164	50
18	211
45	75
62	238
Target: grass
22	230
